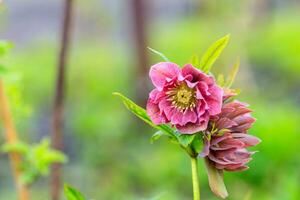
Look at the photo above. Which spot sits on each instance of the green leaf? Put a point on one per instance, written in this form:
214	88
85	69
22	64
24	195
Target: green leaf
212	53
185	139
5	46
232	74
197	143
221	80
156	136
215	179
160	54
18	147
142	114
41	156
36	159
29	175
195	61
72	194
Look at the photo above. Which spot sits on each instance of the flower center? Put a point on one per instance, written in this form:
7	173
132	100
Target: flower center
182	97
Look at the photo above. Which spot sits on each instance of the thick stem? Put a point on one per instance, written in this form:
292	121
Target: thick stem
58	108
12	137
196	188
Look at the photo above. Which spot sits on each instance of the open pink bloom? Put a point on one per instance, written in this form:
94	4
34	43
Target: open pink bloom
226	148
186	97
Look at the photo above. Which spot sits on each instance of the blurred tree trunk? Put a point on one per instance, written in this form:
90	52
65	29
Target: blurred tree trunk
11	136
140	39
58	108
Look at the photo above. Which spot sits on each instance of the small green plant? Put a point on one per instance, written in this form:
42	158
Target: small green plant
36	158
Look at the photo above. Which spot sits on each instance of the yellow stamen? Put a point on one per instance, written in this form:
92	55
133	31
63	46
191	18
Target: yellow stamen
182	97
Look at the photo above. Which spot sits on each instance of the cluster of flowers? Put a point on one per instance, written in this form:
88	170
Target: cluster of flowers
192	102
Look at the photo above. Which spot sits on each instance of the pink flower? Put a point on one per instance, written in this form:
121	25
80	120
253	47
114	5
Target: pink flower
186	97
226	149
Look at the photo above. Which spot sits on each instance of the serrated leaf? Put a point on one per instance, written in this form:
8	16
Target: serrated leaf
159	54
72	194
195	61
142	114
5	46
156	136
232	74
215	179
185	139
212	53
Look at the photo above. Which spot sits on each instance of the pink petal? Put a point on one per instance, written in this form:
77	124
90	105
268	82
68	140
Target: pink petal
189	116
217	160
191	128
201	108
247	139
197	75
154	113
205	150
203	88
235	168
156	95
216	140
225	123
244	119
214	101
176	117
162	71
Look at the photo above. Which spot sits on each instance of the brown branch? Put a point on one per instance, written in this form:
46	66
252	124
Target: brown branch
140	21
58	108
12	137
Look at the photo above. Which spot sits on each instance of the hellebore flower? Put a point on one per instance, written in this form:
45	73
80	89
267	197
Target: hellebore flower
226	148
186	97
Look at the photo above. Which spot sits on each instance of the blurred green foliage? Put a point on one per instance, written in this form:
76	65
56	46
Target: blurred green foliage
36	159
72	194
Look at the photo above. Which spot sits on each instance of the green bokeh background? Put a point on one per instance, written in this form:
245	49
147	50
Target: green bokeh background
111	157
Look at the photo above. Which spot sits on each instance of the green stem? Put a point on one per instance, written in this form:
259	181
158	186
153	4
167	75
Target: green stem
196	188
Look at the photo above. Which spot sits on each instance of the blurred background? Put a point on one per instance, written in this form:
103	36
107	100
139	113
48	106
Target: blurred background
110	156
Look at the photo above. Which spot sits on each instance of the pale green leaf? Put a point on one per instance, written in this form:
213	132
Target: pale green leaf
159	54
195	61
232	74
72	194
221	80
18	147
156	136
215	179
142	114
185	139
212	53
